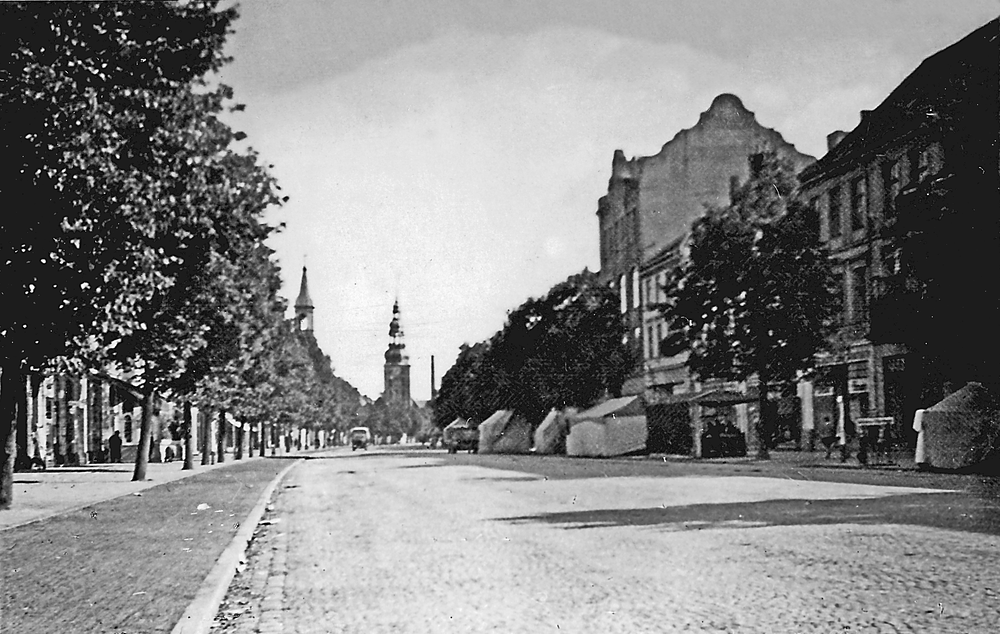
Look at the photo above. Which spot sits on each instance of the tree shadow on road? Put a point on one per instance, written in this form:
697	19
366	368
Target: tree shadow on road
955	511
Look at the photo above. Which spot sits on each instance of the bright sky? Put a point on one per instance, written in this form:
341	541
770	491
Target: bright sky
452	152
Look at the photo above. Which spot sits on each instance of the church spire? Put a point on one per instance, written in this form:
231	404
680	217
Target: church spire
395	352
304	305
397	364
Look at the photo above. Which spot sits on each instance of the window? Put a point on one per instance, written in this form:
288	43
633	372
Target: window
890	188
635	288
859	203
623	293
836	224
650	345
649	292
838	292
859	293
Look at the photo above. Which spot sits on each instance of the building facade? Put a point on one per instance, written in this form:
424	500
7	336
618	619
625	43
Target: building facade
649	208
869	185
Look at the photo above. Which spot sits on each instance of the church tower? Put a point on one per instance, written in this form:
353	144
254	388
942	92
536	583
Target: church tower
304	306
397	365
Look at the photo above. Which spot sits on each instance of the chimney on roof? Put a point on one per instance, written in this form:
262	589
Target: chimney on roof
833	139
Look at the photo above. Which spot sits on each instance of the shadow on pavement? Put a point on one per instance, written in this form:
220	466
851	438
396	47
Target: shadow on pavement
955	511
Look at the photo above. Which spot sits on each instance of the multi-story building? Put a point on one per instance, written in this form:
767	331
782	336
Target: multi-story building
916	138
649	208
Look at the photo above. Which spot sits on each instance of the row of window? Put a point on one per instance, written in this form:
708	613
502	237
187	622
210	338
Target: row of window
918	164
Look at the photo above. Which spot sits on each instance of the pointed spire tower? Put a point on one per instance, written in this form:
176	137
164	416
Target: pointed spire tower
397	365
304	305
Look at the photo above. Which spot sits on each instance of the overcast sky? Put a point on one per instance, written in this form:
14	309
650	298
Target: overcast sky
452	152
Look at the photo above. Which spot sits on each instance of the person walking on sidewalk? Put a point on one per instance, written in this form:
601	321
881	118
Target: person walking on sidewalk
115	447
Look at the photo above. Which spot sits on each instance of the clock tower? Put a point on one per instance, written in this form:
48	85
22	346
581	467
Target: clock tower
397	365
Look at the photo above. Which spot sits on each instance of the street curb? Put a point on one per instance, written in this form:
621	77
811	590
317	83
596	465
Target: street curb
200	614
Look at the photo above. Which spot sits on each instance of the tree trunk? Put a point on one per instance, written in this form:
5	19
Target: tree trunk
22	460
204	436
260	445
763	453
37	449
220	437
238	450
188	439
10	378
145	436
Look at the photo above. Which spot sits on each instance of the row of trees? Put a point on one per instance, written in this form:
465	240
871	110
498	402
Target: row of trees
565	349
133	236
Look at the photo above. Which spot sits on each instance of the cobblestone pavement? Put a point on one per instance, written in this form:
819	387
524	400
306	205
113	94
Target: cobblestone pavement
390	543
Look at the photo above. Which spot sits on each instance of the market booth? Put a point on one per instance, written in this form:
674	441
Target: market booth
503	432
550	437
961	431
615	427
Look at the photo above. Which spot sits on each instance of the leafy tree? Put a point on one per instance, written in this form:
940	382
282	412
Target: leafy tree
948	233
336	403
469	389
755	295
563	349
84	88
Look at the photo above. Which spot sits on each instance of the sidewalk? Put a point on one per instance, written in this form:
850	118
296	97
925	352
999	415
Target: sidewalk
82	553
898	459
42	494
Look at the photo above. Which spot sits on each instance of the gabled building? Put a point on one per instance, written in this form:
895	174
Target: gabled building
889	189
650	206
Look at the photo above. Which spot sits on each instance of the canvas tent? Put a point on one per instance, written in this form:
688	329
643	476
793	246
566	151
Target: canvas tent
613	428
550	437
503	432
963	430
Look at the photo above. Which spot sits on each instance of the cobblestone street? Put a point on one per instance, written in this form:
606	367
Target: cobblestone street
419	542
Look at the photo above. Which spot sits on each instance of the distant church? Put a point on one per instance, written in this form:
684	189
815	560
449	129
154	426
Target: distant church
397	365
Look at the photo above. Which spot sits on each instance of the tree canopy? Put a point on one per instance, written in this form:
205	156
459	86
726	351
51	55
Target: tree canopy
137	236
755	295
563	349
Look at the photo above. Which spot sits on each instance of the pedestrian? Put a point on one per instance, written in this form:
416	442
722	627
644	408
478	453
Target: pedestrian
828	435
115	446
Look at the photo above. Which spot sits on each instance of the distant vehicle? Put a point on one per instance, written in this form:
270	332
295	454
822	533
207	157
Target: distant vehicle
360	437
460	436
